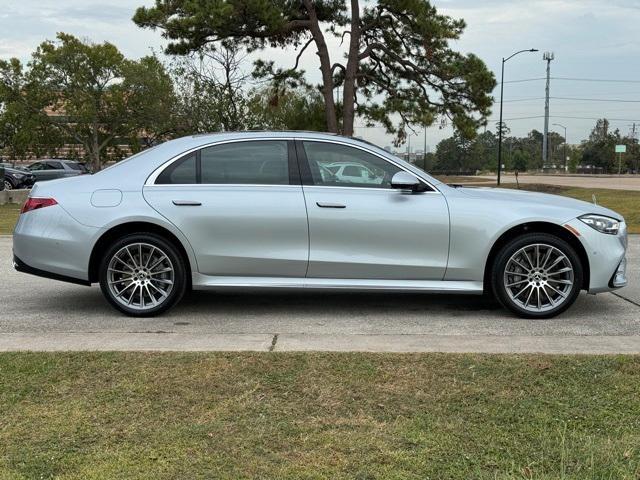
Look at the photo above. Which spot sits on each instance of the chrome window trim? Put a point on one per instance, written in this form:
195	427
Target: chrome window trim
219	185
151	179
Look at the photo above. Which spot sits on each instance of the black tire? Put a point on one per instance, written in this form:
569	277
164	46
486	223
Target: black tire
169	250
515	245
8	185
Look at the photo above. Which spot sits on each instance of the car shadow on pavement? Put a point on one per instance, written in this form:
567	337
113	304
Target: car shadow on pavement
77	304
347	303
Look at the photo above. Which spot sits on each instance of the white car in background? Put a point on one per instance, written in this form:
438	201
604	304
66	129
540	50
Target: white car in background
354	173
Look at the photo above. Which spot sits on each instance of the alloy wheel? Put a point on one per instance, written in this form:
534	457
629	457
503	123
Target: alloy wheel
140	276
538	277
7	185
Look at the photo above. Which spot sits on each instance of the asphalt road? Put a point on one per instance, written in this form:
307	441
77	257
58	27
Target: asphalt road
45	314
624	182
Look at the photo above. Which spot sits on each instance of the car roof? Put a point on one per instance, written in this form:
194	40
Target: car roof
139	166
63	160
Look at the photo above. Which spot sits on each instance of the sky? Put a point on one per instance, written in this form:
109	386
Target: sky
591	39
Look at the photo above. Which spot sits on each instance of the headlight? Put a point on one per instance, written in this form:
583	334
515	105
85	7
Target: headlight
601	223
19	176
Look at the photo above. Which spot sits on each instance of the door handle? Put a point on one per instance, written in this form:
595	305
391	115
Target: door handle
186	203
330	205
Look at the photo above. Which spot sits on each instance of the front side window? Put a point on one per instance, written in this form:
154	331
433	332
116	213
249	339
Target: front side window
343	166
36	166
252	162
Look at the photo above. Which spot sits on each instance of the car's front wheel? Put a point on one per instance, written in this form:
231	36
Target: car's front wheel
537	275
8	185
143	275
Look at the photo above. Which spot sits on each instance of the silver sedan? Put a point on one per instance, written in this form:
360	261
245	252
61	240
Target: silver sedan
263	210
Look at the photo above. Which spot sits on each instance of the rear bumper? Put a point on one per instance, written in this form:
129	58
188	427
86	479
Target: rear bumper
20	266
49	241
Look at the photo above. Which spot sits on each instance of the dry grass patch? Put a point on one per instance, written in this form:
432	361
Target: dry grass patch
8	217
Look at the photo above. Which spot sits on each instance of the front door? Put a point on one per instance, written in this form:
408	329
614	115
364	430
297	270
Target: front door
241	207
364	229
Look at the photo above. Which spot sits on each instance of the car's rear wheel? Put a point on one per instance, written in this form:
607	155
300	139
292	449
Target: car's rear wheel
143	275
537	275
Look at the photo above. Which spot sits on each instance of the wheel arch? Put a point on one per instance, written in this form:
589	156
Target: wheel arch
128	228
537	227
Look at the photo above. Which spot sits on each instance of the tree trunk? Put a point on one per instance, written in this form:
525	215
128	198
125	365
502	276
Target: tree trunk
95	150
349	92
325	68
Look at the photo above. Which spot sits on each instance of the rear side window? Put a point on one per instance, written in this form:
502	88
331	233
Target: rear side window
254	162
54	166
77	166
180	172
241	163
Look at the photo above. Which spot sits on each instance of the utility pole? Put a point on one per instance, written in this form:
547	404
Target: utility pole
424	152
632	136
547	56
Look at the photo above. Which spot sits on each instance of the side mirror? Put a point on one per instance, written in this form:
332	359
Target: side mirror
406	181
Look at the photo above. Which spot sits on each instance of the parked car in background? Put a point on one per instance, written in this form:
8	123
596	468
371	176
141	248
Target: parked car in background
15	167
14	178
51	168
262	210
354	173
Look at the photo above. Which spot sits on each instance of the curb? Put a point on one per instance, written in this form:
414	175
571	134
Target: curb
175	342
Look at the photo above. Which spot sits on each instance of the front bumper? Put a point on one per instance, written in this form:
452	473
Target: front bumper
606	255
28	181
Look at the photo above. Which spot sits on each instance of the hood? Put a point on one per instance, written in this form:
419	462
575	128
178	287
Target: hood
545	200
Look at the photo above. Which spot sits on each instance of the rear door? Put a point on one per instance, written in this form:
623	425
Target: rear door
241	206
53	169
364	229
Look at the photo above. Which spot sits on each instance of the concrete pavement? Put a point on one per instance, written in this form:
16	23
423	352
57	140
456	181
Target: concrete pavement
41	314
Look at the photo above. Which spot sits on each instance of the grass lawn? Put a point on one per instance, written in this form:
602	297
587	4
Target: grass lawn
8	217
625	202
318	415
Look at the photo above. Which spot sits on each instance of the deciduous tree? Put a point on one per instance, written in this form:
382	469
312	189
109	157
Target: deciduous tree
88	94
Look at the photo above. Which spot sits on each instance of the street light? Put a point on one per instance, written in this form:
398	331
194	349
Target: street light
504	60
564	150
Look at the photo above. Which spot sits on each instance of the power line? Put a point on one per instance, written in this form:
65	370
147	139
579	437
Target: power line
598	118
520	118
567	117
580	99
528	99
522	80
604	80
617	100
574	79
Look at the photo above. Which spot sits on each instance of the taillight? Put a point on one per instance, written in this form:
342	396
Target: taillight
33	203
